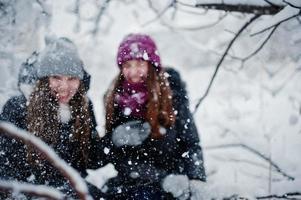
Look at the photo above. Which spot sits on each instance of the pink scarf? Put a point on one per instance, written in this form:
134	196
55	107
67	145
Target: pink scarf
132	99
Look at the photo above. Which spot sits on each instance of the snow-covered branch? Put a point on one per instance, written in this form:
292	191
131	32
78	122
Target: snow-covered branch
71	174
251	7
291	195
32	190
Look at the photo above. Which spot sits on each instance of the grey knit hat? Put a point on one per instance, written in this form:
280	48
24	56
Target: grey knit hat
60	57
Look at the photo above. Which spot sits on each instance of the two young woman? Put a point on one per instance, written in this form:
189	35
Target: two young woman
150	135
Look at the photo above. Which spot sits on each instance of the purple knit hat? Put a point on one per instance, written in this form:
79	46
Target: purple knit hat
138	46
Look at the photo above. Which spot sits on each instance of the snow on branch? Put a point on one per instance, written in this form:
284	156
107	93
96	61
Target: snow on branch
222	59
76	181
291	195
33	190
256	152
258	7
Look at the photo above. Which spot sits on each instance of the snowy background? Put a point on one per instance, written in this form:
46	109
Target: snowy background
255	105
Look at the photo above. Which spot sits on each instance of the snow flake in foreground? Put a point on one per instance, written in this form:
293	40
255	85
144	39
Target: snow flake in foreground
106	150
127	111
145	56
162	130
185	154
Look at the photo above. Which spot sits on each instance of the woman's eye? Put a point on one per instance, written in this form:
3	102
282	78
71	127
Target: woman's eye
56	77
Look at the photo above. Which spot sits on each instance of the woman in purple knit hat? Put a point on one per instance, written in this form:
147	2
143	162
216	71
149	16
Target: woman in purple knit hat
150	136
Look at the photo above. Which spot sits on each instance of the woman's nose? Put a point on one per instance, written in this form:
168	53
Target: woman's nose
63	85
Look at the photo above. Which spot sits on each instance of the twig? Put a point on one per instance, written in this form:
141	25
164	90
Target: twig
272	4
30	189
280	22
77	13
70	173
292	5
250	9
261	46
284	196
99	16
222	59
243	60
159	14
244	146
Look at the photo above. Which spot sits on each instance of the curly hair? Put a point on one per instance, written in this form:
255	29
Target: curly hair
43	121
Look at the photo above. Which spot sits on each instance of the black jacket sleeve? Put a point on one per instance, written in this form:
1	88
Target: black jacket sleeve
13	163
97	157
192	156
14	111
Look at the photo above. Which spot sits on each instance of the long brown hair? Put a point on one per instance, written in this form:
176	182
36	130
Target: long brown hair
159	107
42	119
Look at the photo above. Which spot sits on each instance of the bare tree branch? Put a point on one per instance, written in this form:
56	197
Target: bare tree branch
222	59
70	173
290	195
76	11
243	8
243	60
33	190
280	22
256	152
292	5
272	4
261	46
159	13
99	16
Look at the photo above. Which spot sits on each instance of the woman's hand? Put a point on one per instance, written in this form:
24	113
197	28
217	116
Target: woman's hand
177	185
182	188
100	176
132	133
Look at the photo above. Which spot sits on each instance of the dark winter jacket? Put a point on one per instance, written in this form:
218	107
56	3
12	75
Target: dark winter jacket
13	160
145	165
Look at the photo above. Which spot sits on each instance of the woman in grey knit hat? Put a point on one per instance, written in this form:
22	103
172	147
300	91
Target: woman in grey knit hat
58	112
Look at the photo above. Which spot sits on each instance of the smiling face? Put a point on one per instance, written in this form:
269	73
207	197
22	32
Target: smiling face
135	71
63	87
